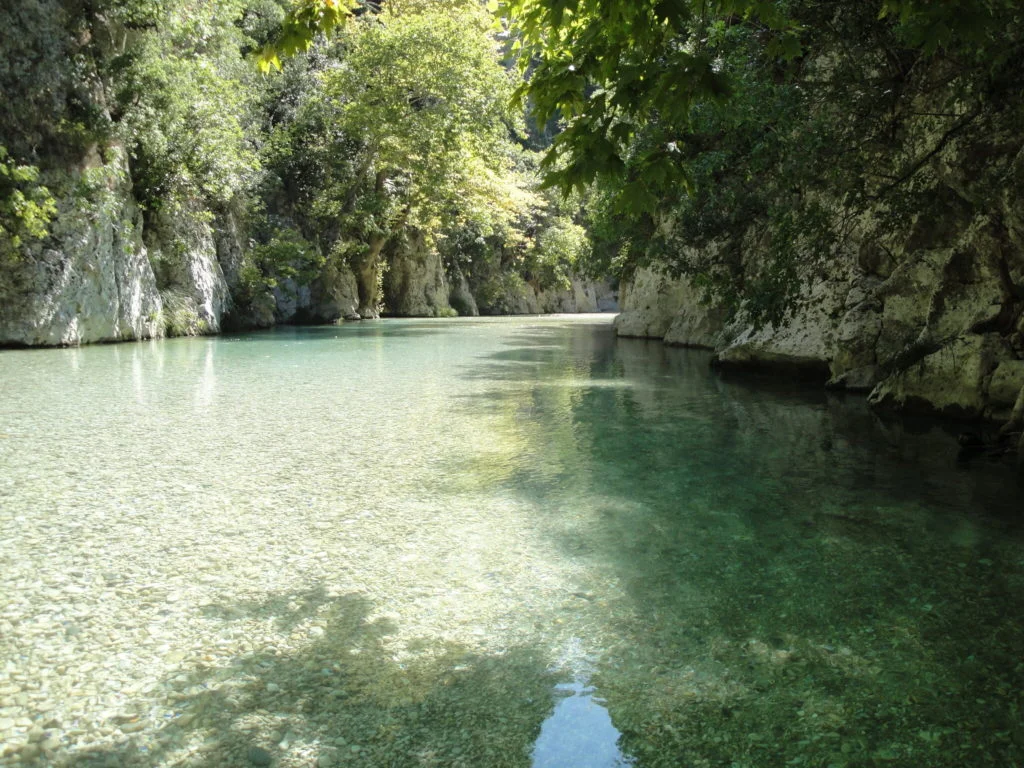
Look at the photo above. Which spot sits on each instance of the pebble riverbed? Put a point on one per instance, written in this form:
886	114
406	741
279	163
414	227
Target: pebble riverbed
194	574
403	544
235	635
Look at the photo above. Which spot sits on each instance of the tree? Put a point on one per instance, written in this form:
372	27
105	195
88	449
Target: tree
184	100
416	117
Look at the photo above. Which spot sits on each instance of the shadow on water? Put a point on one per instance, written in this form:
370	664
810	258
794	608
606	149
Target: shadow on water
789	579
338	697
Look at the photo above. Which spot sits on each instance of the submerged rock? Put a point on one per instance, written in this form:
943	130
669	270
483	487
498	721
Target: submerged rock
258	756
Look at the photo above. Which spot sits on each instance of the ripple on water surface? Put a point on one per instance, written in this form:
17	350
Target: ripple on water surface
489	543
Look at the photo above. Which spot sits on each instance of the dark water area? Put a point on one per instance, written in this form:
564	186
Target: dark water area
513	542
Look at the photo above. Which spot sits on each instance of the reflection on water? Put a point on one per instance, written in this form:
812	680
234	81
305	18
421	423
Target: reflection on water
378	544
579	733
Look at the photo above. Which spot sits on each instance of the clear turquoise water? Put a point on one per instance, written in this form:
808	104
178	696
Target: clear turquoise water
492	543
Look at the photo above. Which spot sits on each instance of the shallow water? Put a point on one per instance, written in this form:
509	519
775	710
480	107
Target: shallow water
489	543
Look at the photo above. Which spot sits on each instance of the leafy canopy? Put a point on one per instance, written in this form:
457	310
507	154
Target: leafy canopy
184	103
420	101
305	20
613	67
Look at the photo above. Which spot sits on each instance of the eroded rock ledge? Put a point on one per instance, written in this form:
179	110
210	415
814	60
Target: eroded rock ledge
938	332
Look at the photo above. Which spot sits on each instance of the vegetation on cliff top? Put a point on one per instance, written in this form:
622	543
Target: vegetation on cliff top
693	134
400	123
713	130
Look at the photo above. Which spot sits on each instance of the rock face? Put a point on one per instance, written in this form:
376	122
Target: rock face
461	298
415	284
192	285
331	296
804	346
249	308
956	379
937	331
924	310
919	298
103	276
580	296
90	281
658	307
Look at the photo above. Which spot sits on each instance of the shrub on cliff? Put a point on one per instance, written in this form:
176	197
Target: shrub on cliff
26	207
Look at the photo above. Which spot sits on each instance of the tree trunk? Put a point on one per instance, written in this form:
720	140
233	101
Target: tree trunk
368	271
368	279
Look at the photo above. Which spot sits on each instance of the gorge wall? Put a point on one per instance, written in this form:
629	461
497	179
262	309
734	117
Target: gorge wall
934	329
104	275
153	182
915	294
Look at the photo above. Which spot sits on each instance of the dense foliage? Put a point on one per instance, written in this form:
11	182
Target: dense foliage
184	99
26	207
716	130
739	142
398	123
400	130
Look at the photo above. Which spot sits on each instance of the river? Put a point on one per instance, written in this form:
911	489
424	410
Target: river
487	543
